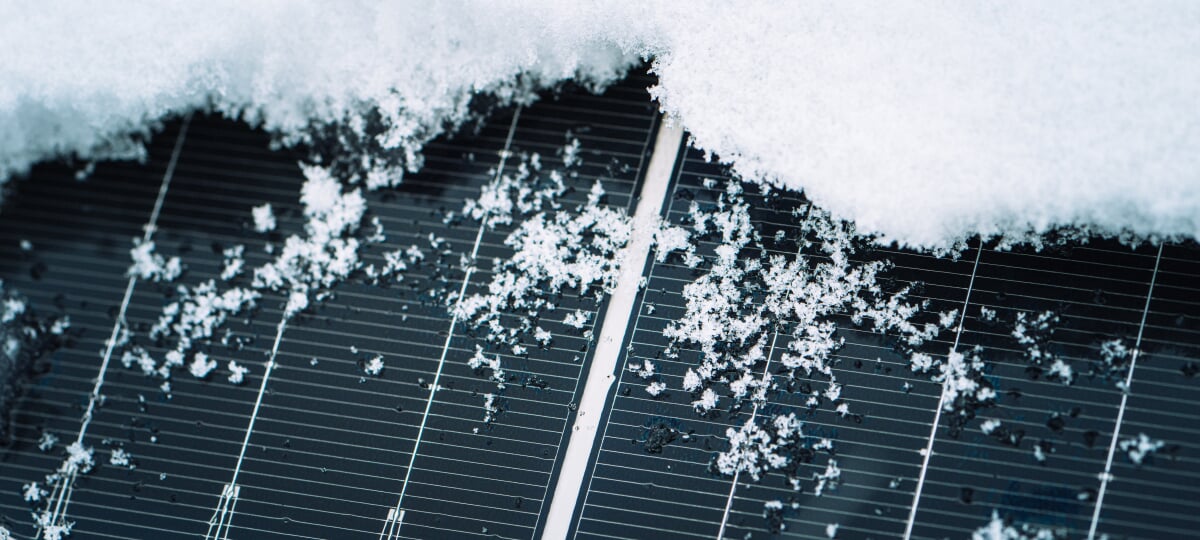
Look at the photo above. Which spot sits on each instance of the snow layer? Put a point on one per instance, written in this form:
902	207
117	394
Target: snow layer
920	124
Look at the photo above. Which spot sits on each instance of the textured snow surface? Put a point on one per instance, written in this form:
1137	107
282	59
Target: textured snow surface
920	124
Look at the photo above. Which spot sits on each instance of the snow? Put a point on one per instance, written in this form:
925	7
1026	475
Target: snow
707	401
201	365
374	366
32	492
237	372
121	458
999	529
801	294
828	479
758	446
1137	448
555	249
147	264
576	319
490	408
47	441
79	457
264	218
919	124
233	263
1034	334
195	316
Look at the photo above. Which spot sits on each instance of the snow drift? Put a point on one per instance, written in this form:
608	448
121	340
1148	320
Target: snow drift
921	123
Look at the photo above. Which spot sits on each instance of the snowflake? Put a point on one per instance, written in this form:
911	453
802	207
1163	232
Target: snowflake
201	365
150	265
374	366
237	373
1137	448
264	218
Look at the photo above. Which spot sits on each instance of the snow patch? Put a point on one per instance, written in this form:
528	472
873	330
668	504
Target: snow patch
921	125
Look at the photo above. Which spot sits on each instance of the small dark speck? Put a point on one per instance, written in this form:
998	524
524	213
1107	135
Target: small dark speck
1056	423
967	495
1089	438
1190	369
38	270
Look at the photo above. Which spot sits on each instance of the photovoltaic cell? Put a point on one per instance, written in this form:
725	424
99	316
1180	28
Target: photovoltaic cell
329	452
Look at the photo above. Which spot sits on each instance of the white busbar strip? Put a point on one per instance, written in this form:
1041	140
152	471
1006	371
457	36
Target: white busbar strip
601	376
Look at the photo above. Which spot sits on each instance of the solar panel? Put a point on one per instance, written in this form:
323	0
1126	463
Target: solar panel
330	448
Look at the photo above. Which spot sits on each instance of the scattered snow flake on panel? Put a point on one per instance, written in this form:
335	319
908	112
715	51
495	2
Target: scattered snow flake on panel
32	492
201	365
1139	447
264	218
556	249
576	319
148	264
542	336
706	402
233	263
47	441
121	458
237	372
1001	529
194	316
374	366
